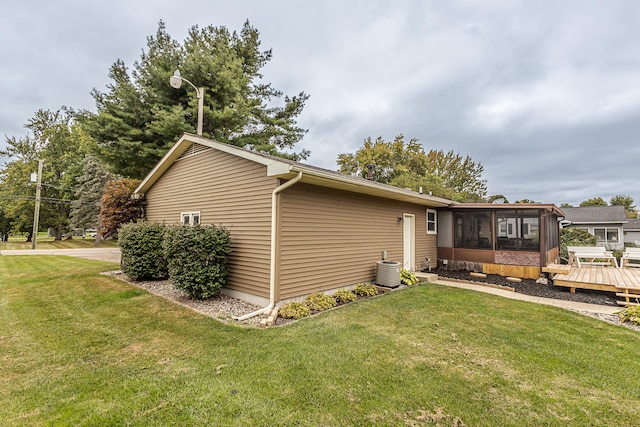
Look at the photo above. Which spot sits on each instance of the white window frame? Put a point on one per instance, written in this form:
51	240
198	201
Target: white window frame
607	230
191	216
434	222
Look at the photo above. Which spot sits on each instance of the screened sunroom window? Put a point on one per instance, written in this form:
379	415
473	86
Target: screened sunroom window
473	230
517	230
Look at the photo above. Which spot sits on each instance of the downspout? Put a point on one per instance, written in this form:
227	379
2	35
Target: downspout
274	234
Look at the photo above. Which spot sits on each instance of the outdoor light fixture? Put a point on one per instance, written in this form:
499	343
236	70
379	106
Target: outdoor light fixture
176	81
400	218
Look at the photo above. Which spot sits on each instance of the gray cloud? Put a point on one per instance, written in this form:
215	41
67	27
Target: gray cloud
545	95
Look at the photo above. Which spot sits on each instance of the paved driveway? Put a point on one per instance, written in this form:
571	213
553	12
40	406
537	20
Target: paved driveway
100	254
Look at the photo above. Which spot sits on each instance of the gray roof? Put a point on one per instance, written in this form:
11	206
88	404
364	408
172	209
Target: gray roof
632	224
595	214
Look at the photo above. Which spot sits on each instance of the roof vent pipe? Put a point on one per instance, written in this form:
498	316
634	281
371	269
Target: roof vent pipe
370	172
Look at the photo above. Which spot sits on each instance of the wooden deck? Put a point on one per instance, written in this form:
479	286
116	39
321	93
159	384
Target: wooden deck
625	282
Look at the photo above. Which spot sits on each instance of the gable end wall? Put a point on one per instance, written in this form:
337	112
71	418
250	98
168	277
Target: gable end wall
228	191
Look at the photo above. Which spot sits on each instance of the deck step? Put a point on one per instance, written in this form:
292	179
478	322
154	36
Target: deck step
426	277
557	269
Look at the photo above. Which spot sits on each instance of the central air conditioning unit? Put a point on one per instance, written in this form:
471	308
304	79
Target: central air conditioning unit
388	274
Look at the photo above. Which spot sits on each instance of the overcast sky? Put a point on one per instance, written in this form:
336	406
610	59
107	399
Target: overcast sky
544	94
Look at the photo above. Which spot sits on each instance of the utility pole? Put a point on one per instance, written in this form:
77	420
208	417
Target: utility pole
36	213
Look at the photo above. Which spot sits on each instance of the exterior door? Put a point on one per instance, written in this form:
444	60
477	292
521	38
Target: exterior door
408	241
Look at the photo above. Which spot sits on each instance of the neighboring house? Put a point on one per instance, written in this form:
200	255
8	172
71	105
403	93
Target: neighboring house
604	222
296	229
506	239
632	232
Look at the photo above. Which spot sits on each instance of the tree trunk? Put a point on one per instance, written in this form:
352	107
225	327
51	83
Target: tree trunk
57	233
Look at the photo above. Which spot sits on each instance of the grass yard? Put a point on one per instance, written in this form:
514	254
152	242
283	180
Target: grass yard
45	242
78	348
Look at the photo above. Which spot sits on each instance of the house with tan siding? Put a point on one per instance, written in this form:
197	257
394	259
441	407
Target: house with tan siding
296	229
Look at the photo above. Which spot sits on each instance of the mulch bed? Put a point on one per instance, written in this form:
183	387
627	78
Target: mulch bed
530	287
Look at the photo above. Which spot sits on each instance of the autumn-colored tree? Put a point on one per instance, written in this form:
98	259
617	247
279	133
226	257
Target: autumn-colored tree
117	207
387	159
448	175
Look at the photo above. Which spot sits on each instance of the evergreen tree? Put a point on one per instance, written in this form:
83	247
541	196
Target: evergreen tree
627	202
141	115
85	209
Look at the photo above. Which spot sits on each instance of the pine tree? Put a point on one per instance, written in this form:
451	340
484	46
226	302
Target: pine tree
85	209
141	115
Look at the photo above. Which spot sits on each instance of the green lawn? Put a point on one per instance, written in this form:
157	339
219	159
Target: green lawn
45	242
78	348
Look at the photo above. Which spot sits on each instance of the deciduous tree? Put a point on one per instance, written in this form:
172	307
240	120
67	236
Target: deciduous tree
117	207
596	201
448	175
56	139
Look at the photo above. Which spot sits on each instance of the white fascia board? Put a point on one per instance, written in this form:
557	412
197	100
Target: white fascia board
370	187
278	169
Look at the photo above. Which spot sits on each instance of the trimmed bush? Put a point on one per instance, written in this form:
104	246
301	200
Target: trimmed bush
320	301
197	258
365	290
142	250
344	296
575	237
408	278
294	310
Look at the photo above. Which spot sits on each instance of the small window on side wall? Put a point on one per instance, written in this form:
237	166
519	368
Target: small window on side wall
432	221
190	218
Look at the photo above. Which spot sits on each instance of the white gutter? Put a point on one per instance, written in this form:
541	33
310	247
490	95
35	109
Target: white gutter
274	234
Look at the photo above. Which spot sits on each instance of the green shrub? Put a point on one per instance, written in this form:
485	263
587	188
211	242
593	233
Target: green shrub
630	314
575	237
344	296
294	310
142	252
408	277
365	290
320	301
197	258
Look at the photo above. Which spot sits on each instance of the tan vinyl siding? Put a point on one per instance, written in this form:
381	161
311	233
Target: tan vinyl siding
226	190
332	238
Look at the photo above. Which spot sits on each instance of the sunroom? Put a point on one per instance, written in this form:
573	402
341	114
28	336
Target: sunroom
507	239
